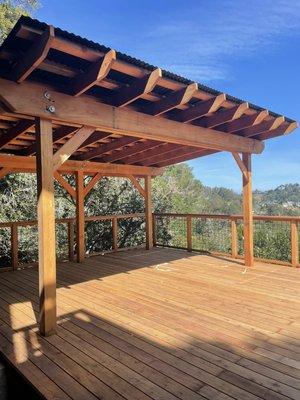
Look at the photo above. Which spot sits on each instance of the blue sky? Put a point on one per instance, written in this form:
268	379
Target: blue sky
249	50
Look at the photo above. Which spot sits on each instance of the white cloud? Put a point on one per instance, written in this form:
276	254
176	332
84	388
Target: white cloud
223	29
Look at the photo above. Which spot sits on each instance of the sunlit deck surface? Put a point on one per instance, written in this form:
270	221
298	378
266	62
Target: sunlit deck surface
159	324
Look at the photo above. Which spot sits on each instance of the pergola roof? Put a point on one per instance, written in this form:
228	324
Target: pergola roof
36	54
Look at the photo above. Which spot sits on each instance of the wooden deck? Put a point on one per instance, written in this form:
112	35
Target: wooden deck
160	324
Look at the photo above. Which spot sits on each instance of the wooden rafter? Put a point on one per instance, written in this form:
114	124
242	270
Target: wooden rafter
35	55
169	155
137	147
92	183
223	116
107	147
94	138
95	73
65	184
144	155
262	127
202	108
65	151
283	129
244	122
137	185
58	135
173	100
140	86
15	131
123	121
185	157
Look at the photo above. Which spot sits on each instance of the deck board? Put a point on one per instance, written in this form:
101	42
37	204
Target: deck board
159	324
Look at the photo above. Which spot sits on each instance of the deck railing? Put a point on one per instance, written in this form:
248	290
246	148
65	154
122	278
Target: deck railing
69	223
276	238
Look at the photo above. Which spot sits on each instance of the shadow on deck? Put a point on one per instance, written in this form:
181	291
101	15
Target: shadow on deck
160	324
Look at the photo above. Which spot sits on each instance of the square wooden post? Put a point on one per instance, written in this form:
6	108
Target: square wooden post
46	227
248	211
148	213
80	226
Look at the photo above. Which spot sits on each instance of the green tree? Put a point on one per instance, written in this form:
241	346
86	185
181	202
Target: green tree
10	12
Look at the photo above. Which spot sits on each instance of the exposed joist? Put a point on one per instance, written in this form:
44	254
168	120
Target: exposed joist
94	138
186	157
65	151
95	73
262	127
144	155
202	108
284	129
178	152
59	134
27	99
60	179
244	122
223	116
17	130
137	147
35	55
107	147
181	96
138	88
28	164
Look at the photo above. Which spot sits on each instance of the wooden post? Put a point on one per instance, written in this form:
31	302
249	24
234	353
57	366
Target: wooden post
148	213
14	246
234	243
80	244
189	233
115	233
294	244
154	229
71	240
247	211
46	227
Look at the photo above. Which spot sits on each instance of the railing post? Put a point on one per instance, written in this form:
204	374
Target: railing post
115	233
14	246
154	229
234	244
294	244
71	239
189	233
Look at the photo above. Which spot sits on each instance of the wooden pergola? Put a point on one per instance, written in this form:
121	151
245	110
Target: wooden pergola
71	106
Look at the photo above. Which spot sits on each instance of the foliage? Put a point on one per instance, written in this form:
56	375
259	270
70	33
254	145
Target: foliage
10	12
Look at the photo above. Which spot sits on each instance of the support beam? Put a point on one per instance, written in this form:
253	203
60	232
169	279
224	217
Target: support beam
137	185
65	151
140	86
4	171
148	213
241	165
46	228
28	164
96	73
248	212
60	179
28	99
15	131
202	108
35	56
173	100
94	138
80	227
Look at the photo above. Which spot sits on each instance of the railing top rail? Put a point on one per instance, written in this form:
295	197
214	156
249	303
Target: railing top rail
282	218
66	220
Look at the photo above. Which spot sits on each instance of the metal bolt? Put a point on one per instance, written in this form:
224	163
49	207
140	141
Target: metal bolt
47	95
51	109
